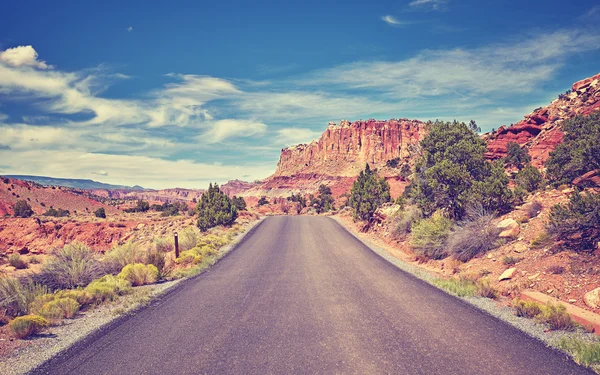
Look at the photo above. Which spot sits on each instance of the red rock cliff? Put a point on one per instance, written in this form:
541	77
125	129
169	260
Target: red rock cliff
344	148
541	130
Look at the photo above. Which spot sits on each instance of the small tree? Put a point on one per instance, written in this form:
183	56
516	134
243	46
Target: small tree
239	203
577	223
215	208
368	193
101	213
529	178
23	209
262	201
324	202
516	156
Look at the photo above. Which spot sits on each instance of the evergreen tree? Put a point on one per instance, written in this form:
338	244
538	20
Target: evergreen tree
516	156
22	209
368	193
239	203
215	208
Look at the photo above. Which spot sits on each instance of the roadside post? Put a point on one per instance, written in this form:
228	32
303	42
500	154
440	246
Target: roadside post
176	245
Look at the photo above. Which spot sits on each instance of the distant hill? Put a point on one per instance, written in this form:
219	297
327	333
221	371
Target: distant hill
73	183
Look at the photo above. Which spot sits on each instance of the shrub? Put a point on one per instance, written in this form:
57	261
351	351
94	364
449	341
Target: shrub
159	260
82	297
533	209
68	306
403	220
474	236
324	202
429	235
556	317
15	297
25	326
584	352
188	238
107	288
17	261
141	206
527	309
542	239
368	193
189	257
72	266
555	269
56	213
516	156
263	201
459	287
239	203
101	213
22	209
579	152
139	274
577	223
485	289
215	208
510	260
163	244
529	178
122	255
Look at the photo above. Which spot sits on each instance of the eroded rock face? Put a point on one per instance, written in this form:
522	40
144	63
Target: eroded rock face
540	131
345	148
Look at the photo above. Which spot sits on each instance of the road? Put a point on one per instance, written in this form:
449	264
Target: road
302	295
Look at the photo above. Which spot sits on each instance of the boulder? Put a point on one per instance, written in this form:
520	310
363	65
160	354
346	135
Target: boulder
592	298
520	247
510	228
508	274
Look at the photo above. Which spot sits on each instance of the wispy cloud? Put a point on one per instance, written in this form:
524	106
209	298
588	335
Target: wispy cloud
130	29
292	136
232	128
431	4
393	21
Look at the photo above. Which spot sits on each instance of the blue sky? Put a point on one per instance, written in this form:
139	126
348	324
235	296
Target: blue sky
180	93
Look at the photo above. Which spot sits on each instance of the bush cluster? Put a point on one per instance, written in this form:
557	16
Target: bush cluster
72	266
141	206
577	223
324	202
17	261
101	213
215	208
429	235
529	179
369	191
22	209
57	213
553	315
139	274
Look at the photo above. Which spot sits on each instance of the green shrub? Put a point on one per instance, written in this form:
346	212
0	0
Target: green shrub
403	220
22	209
38	303
122	255
511	260
215	208
429	235
25	326
459	287
452	173
188	238
56	213
15	297
107	288
101	213
577	223
189	257
141	206
324	202
159	260
474	236
556	317
139	274
17	261
579	152
527	309
163	244
239	203
369	191
82	297
68	306
263	201
72	266
516	156
529	178
542	239
584	352
485	289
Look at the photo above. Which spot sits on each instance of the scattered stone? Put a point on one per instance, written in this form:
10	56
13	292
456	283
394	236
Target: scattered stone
549	291
592	298
520	247
571	300
489	256
510	228
140	225
508	274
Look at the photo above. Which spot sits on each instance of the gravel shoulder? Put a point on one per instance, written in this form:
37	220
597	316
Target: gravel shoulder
58	339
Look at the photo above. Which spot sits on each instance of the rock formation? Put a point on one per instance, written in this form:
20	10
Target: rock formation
541	130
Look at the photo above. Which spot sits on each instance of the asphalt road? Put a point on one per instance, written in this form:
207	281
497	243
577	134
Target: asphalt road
301	295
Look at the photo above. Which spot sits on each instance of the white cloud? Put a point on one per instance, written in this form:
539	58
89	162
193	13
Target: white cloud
433	4
130	29
125	169
232	128
391	20
101	173
22	56
292	136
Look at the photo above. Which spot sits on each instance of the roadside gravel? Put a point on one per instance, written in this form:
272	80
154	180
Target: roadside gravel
44	347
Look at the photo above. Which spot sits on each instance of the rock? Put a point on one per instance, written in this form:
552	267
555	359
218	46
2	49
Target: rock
512	232
520	247
508	274
592	298
588	180
140	225
534	276
571	300
506	223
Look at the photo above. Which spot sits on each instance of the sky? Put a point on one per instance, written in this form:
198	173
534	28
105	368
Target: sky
180	93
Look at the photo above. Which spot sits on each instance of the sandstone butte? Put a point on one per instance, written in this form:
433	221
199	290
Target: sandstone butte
341	152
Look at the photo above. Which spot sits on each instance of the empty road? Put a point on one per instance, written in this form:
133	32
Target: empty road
301	295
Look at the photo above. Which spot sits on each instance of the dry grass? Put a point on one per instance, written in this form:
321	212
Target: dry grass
476	235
